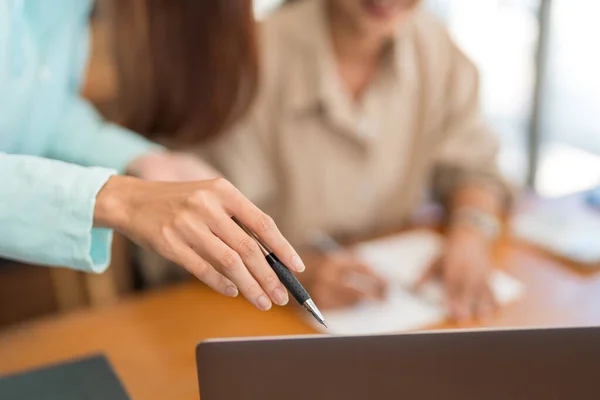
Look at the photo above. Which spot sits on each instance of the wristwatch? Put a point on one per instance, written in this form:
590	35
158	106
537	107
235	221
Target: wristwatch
486	223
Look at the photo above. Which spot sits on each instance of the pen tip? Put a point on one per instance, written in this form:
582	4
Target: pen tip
323	323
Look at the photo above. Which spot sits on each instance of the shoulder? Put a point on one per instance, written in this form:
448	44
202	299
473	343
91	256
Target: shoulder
435	47
426	23
287	27
431	36
288	19
289	41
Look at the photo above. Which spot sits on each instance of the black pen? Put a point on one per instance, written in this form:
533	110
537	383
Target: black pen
286	277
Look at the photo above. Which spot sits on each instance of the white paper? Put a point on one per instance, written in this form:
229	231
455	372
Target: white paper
573	232
402	259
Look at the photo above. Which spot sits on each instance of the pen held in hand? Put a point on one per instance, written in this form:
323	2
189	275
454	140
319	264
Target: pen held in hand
286	276
368	285
371	286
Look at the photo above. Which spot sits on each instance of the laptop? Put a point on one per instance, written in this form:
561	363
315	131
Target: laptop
449	365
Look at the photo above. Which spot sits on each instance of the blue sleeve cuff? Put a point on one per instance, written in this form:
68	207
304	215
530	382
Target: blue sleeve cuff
91	246
100	249
47	213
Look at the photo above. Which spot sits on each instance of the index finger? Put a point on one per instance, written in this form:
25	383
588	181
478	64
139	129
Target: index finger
264	227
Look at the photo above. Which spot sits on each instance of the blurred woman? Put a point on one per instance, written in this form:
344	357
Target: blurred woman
365	108
191	70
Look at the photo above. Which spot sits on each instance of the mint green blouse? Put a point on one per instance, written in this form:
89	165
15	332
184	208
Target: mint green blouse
46	204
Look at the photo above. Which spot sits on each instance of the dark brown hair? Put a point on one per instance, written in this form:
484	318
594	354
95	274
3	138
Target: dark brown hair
187	69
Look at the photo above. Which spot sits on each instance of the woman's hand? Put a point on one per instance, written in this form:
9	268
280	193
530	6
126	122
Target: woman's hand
465	268
171	167
339	280
190	224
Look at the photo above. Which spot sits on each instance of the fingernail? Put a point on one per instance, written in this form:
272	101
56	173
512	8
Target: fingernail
231	291
280	296
264	303
297	264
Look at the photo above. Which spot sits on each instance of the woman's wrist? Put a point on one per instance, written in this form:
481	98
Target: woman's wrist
485	224
467	233
113	202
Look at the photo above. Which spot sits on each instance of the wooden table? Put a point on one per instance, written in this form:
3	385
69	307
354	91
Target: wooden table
150	340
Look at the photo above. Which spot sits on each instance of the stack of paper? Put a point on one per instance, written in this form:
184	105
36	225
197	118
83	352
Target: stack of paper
402	259
570	231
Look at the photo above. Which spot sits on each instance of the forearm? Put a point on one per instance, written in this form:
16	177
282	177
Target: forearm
85	138
477	208
485	198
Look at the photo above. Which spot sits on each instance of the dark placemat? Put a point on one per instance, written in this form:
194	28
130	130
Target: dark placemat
90	378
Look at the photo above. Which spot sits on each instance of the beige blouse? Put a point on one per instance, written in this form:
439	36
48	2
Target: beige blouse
314	159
